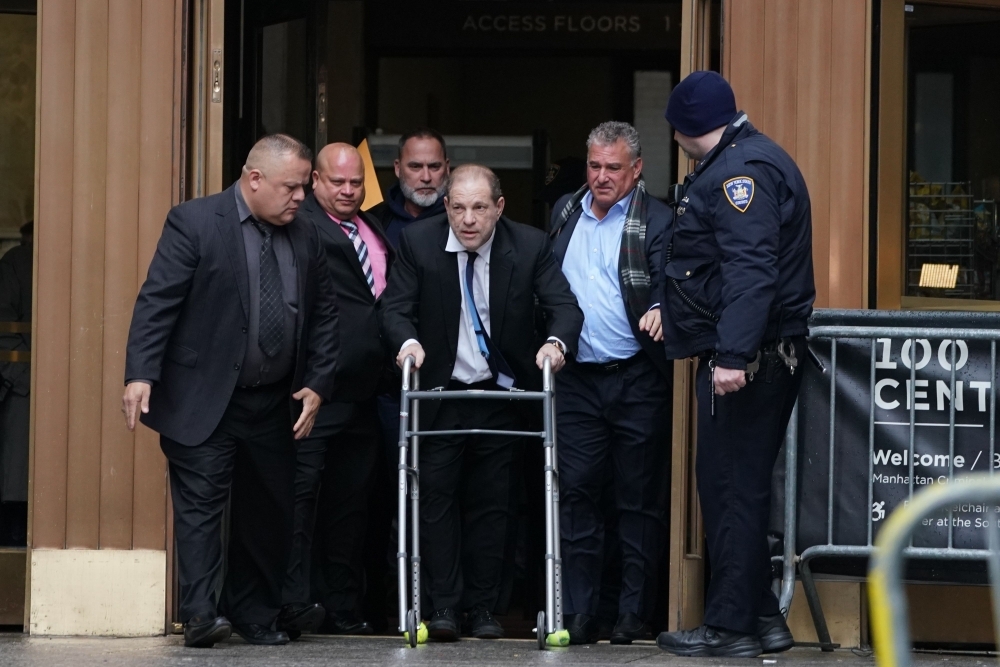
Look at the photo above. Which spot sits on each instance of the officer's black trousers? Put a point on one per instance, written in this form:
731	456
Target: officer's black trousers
465	486
252	455
335	464
618	420
737	449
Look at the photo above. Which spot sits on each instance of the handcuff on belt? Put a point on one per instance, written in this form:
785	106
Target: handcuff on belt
785	349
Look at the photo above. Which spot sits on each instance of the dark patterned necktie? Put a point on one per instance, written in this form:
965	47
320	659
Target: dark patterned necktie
361	248
271	327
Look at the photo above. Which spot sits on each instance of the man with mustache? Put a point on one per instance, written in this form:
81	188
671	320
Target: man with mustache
422	167
231	351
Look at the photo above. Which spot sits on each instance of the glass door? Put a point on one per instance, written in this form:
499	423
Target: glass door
274	50
952	249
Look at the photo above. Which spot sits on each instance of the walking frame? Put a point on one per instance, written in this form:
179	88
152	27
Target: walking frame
549	630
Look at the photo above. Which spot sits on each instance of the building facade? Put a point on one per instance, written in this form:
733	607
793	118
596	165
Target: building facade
142	104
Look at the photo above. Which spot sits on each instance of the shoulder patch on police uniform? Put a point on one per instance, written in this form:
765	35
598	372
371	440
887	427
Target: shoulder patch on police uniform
739	192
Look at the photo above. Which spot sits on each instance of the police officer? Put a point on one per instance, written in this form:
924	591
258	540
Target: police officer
738	294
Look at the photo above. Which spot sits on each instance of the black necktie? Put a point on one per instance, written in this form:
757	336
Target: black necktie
271	327
502	373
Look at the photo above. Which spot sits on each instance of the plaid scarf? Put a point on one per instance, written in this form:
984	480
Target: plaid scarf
633	268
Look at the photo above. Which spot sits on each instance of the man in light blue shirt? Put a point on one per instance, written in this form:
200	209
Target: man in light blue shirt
591	265
614	403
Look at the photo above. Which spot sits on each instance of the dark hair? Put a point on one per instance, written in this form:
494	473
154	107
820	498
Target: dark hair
477	170
28	228
423	133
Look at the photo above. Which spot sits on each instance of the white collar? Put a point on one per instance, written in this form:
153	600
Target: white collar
454	245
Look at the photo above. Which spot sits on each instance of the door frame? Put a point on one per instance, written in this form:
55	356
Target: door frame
686	603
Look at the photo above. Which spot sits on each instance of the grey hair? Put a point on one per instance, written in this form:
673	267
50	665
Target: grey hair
276	145
472	171
608	132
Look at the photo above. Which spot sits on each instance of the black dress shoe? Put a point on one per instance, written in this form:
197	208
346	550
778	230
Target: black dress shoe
583	629
443	625
296	619
346	623
628	628
200	633
253	633
774	635
481	624
709	641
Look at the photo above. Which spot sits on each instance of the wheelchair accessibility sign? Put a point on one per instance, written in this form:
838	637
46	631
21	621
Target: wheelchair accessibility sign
739	192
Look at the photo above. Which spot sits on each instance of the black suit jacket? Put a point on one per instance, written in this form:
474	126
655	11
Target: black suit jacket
423	300
362	358
659	220
189	325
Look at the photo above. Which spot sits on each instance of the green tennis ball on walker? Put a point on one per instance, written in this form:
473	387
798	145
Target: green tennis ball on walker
558	638
422	635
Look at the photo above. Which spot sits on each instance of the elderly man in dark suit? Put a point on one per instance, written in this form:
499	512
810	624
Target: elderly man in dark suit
232	349
461	301
343	450
614	407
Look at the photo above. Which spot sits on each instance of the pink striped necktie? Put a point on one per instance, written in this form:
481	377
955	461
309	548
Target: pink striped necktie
359	247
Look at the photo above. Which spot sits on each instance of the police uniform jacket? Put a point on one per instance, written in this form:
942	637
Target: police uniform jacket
739	271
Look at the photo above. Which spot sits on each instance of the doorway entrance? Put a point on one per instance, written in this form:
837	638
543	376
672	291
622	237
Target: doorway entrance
342	71
535	76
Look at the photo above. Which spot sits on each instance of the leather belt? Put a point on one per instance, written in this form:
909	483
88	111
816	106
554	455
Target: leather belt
15	356
611	366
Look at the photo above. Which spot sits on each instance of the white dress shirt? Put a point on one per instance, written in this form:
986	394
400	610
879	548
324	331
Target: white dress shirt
470	365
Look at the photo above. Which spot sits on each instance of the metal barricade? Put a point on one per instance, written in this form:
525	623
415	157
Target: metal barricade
889	616
858	327
549	630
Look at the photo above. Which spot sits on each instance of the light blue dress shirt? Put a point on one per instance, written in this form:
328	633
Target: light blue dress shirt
591	266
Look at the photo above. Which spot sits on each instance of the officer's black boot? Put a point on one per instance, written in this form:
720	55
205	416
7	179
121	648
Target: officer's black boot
709	641
773	633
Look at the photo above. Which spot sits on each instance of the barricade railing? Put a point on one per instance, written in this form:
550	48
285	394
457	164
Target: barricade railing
889	615
549	629
859	330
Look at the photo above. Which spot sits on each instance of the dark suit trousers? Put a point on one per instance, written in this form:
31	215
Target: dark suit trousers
618	420
465	488
250	455
334	471
737	449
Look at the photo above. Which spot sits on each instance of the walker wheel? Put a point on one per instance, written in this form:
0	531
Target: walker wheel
412	628
540	631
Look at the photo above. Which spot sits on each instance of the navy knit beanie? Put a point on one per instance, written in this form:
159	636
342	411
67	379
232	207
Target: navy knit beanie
700	103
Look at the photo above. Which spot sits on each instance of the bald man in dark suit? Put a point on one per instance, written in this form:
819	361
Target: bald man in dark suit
231	351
